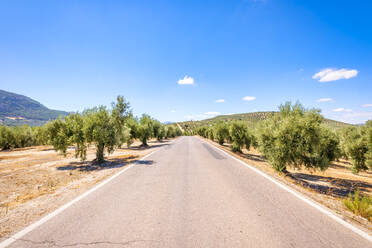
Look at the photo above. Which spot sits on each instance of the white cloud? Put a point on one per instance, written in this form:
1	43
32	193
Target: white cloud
212	113
186	80
357	117
220	100
173	111
367	105
324	100
330	74
249	98
341	110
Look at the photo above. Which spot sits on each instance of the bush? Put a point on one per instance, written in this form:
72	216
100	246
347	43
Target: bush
296	137
359	206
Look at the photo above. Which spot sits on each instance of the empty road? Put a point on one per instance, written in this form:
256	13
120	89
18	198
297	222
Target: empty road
189	194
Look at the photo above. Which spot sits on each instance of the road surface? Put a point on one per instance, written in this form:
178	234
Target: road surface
189	194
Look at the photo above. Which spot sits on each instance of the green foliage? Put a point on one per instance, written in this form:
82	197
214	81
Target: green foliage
238	134
210	133
119	115
40	134
59	135
106	129
354	144
133	125
202	131
6	138
252	120
296	137
76	136
145	129
100	129
158	130
23	136
221	132
171	131
368	132
359	206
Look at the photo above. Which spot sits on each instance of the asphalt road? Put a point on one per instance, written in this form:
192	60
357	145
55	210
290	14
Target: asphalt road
188	194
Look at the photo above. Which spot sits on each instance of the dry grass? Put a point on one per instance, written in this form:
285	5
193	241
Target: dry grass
30	176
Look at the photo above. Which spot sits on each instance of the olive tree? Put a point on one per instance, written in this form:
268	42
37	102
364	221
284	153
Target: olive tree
6	138
133	126
99	128
120	114
157	130
354	144
59	135
368	131
145	129
238	135
221	132
296	137
76	136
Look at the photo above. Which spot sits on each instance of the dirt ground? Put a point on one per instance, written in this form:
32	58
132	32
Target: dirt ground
327	187
37	180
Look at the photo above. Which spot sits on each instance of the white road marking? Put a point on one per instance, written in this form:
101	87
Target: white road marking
38	223
299	196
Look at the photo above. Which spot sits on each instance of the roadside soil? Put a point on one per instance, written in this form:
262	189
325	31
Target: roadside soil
35	181
328	187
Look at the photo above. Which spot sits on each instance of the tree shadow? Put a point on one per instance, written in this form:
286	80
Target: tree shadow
109	163
141	147
329	185
145	162
253	157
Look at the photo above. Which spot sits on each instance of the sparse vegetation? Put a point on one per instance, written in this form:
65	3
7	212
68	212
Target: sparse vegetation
359	205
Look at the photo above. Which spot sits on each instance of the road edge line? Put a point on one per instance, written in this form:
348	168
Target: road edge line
26	230
300	196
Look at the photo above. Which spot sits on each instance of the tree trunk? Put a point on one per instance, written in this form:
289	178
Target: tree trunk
100	153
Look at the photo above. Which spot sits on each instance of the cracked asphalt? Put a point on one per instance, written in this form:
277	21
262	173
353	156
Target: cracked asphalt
189	194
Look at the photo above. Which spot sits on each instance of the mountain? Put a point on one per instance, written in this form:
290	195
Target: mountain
251	119
19	110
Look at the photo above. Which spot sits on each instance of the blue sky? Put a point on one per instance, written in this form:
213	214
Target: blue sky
71	55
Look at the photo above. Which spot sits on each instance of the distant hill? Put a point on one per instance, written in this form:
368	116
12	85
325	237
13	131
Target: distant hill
19	110
252	119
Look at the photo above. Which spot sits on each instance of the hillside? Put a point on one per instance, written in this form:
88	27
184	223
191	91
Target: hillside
251	118
17	109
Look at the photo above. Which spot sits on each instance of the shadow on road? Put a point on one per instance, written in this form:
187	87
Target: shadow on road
139	148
